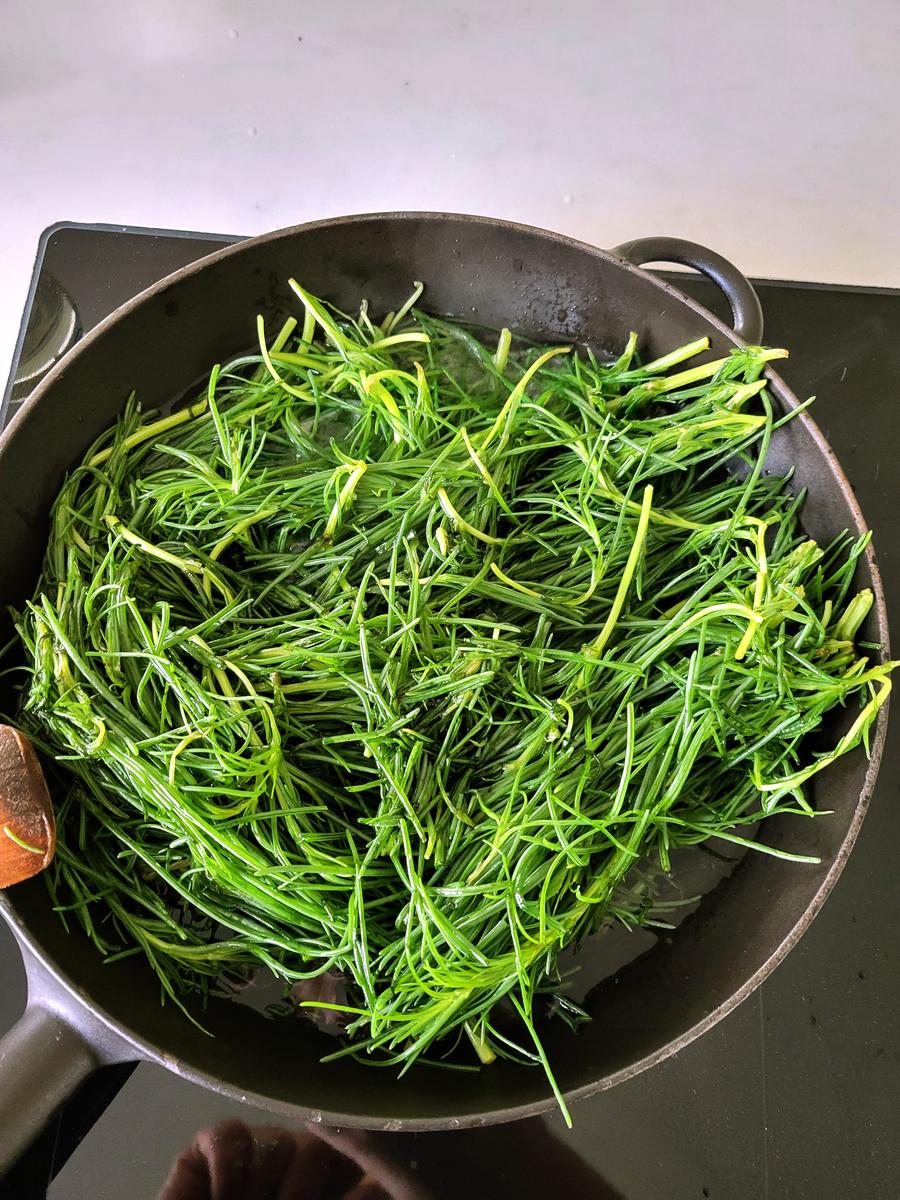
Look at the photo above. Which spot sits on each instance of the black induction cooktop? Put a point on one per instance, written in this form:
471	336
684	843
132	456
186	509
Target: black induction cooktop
796	1094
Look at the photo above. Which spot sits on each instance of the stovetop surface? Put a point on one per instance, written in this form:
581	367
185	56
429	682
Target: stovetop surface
796	1093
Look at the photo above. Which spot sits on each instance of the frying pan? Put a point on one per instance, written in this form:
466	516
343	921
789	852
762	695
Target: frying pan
83	1013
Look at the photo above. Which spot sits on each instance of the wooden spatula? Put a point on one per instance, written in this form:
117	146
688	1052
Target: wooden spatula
27	825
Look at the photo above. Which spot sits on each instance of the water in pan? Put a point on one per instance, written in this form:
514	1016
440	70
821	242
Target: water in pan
696	872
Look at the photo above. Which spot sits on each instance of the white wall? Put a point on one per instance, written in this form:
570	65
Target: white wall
768	130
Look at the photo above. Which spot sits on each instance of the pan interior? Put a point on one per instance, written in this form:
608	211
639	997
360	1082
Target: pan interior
546	288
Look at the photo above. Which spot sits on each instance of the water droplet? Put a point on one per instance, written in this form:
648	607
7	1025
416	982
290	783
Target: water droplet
568	198
252	131
233	34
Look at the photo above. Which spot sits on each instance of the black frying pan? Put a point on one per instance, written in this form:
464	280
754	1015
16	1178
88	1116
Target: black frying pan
83	1013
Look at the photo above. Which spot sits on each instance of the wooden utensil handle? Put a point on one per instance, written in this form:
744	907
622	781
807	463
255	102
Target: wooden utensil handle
27	824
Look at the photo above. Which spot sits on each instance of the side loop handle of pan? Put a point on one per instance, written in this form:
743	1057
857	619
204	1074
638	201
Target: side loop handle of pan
746	310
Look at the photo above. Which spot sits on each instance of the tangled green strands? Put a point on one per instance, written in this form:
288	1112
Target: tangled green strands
392	654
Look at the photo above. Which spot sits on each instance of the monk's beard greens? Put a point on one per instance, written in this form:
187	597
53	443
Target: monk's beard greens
392	655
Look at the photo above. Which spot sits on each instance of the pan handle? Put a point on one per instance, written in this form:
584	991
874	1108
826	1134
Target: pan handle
58	1042
42	1060
746	310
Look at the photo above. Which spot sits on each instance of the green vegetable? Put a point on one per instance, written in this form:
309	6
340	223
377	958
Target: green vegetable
394	656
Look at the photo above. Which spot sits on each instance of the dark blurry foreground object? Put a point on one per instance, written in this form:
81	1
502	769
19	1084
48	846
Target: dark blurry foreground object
27	827
233	1161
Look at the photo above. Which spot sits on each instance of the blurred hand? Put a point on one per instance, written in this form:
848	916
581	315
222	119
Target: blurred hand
520	1161
234	1162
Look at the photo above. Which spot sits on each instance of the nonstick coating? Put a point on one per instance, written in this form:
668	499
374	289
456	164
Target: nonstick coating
495	273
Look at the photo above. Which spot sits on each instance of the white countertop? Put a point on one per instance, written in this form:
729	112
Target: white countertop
770	133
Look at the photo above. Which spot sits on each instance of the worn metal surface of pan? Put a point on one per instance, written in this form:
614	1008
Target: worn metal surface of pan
82	1012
